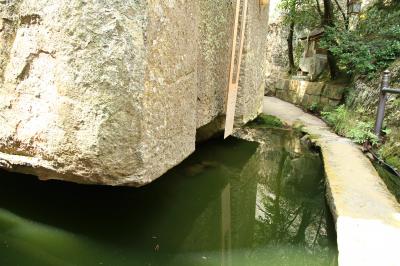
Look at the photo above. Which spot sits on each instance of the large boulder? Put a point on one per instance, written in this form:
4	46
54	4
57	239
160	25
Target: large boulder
112	92
277	49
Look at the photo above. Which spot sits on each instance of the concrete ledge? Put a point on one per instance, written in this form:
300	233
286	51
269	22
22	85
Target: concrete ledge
366	214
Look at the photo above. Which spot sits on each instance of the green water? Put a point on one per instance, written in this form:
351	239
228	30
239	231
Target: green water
392	181
232	202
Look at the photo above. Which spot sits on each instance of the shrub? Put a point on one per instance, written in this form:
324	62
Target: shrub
345	123
372	46
337	119
362	132
314	108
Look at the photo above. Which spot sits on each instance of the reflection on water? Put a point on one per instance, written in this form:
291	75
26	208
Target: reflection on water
232	202
392	181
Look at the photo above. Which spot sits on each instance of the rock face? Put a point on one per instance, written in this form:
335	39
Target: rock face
252	77
364	98
277	48
112	92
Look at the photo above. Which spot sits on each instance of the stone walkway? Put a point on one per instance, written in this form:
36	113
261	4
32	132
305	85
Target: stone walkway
367	215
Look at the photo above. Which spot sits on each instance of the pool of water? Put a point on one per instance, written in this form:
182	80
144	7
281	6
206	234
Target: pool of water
233	202
392	181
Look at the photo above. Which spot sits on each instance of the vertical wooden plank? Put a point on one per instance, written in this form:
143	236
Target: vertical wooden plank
234	80
230	110
234	41
226	233
242	31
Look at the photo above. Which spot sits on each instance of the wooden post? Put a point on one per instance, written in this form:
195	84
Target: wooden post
263	2
234	79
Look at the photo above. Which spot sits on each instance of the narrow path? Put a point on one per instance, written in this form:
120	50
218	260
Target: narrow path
367	215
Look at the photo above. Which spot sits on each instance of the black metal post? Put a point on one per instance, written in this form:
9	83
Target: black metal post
384	90
382	101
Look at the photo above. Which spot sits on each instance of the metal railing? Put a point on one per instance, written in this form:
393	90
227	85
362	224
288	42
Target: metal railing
385	89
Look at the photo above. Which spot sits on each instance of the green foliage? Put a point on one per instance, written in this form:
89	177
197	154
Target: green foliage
362	132
372	46
298	52
337	119
387	131
345	123
394	161
390	150
314	107
360	128
297	16
301	12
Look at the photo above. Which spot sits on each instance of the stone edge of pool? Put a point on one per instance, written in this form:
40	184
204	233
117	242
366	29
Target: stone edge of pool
367	215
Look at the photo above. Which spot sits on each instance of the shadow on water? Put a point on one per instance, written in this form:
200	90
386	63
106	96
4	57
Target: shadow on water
232	202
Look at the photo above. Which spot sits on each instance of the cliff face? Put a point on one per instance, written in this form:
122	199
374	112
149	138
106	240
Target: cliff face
112	92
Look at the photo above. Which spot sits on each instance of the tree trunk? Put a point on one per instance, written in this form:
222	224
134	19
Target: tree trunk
329	22
290	47
347	20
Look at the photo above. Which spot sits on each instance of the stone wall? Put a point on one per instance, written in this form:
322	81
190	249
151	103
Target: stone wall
308	94
113	92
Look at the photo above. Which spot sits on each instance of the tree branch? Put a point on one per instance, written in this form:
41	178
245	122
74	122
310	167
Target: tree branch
319	8
341	10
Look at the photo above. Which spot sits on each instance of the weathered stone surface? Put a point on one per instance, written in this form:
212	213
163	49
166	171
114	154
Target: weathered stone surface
282	94
213	58
283	84
113	92
66	102
324	101
304	93
334	91
293	97
306	87
293	85
314	88
252	76
310	100
333	103
314	65
276	48
308	93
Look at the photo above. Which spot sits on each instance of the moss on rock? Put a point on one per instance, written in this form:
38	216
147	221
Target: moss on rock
267	121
